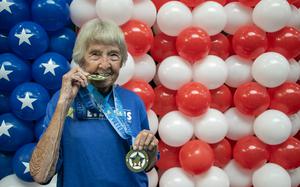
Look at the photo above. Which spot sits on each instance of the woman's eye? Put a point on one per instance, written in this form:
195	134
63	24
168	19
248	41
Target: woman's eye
115	56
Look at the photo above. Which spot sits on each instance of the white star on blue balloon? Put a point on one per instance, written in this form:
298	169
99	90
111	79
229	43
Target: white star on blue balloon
4	73
4	5
26	101
24	37
50	66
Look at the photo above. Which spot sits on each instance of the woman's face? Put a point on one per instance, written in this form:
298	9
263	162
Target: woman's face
104	60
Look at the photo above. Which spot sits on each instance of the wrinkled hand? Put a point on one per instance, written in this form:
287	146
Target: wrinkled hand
145	140
72	81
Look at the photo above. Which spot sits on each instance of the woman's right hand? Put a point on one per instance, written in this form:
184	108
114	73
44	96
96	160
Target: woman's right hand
71	82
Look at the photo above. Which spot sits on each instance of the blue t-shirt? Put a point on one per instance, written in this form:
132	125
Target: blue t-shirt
92	154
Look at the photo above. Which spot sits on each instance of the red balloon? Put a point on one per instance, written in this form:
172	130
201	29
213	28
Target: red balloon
249	41
250	152
229	1
169	156
221	98
297	4
286	98
193	99
223	153
222	2
163	47
193	44
285	41
196	156
138	37
286	154
297	136
249	3
220	46
159	3
251	98
231	51
165	100
192	3
142	89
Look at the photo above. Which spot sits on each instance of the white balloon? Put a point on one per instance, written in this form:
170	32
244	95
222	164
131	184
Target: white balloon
127	71
295	176
82	11
239	125
210	71
272	127
173	17
295	18
145	68
294	72
271	175
176	177
239	71
119	11
237	15
238	176
144	11
211	127
210	16
152	178
270	69
272	15
214	177
13	181
295	120
175	128
174	72
153	121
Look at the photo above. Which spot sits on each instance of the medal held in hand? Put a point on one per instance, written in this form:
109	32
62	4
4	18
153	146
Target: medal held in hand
137	160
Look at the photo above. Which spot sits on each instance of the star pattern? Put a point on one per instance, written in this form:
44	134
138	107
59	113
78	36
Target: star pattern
4	128
27	169
26	101
4	73
4	5
50	66
24	37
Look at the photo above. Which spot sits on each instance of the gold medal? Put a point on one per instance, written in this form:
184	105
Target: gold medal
137	160
95	77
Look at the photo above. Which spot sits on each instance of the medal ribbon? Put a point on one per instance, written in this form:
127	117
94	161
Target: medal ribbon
95	102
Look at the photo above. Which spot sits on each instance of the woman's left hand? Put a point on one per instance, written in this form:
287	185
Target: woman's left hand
145	140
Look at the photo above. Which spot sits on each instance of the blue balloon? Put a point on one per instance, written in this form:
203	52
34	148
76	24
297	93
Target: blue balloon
51	14
39	128
14	132
48	70
62	42
13	71
4	47
28	40
5	165
13	12
4	103
29	100
21	162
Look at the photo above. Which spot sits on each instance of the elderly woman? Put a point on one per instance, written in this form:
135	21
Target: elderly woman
93	123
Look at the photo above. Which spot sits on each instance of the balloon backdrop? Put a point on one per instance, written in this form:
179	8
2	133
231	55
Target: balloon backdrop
213	177
163	47
170	129
222	153
28	40
193	99
165	100
138	37
251	98
13	71
29	100
250	152
142	89
169	156
196	157
193	44
220	46
221	98
145	68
